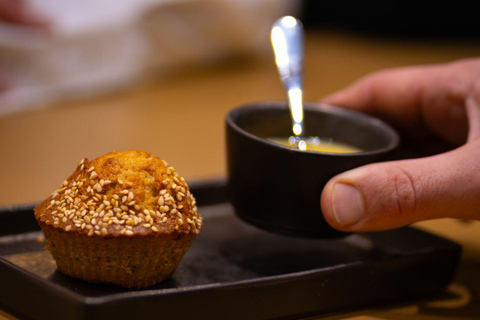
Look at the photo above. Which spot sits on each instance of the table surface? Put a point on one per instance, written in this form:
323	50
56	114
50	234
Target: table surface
179	117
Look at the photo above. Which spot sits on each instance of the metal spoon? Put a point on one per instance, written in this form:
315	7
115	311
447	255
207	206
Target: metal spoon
287	41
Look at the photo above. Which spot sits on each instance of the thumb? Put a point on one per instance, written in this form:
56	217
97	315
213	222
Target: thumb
387	195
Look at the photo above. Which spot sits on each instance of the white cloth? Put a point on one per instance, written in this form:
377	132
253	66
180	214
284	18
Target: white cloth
100	45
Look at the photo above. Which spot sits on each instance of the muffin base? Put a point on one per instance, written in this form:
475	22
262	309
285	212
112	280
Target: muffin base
129	261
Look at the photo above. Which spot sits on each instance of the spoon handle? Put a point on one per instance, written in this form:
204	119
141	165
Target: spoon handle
287	41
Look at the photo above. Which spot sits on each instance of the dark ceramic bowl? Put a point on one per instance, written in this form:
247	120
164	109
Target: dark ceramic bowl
278	188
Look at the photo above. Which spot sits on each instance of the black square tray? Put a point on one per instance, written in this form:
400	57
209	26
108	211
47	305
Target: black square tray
232	271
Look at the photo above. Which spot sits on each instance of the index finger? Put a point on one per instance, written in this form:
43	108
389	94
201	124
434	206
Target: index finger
412	98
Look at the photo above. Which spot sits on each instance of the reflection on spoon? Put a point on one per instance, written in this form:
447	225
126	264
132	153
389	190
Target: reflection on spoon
287	41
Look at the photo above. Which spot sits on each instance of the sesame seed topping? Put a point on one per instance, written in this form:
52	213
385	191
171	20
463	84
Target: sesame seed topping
83	203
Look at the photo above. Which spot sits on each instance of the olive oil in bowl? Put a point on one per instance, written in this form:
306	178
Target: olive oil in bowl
316	144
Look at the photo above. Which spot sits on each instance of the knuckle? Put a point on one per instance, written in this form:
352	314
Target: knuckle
403	193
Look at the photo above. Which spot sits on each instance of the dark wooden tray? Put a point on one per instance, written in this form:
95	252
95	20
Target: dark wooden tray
232	271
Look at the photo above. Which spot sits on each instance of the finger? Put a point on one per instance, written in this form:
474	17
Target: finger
395	92
430	97
392	194
473	110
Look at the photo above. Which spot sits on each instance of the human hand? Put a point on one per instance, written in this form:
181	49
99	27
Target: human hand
16	11
443	100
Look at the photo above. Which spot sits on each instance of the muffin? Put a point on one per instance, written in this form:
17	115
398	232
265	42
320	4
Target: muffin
125	218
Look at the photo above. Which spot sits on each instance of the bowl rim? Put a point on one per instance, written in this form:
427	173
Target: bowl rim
393	136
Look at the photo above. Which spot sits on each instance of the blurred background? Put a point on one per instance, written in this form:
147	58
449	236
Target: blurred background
79	79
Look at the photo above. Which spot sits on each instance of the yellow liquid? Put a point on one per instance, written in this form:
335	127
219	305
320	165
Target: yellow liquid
319	145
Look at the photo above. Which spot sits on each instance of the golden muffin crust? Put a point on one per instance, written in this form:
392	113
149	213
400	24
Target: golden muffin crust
122	193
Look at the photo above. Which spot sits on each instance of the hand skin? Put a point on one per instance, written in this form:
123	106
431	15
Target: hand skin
443	100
